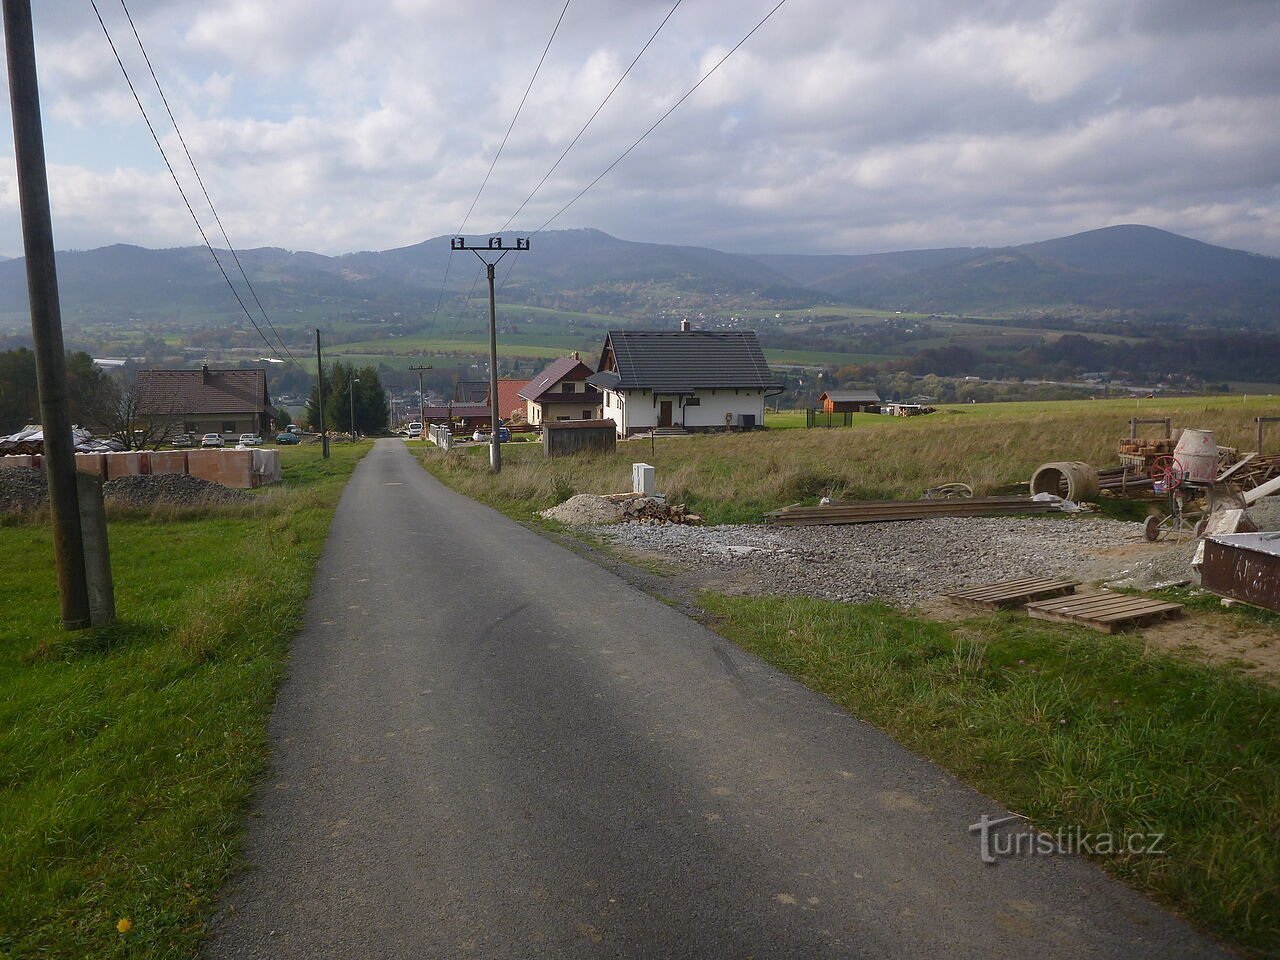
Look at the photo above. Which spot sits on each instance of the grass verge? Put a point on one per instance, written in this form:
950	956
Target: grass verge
1069	728
127	754
736	477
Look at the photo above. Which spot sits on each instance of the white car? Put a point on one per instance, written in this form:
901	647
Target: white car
211	440
250	440
415	430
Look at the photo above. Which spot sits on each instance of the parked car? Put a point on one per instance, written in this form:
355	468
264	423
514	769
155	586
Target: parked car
481	437
211	440
250	440
183	440
287	438
415	430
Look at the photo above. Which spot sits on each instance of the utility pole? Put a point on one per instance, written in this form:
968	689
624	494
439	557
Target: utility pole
46	319
422	400
351	396
324	436
495	245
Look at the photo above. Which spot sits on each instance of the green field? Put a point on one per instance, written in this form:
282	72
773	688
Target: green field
127	754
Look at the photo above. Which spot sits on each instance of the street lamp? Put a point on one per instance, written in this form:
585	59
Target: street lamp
351	394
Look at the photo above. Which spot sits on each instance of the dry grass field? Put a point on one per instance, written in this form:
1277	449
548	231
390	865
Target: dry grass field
736	477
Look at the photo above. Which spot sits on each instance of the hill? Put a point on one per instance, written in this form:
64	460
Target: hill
1127	270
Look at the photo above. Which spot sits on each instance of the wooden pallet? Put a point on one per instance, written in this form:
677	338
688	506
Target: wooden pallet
1104	611
1013	593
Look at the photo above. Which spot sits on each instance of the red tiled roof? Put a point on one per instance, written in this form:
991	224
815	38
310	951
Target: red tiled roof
509	396
202	391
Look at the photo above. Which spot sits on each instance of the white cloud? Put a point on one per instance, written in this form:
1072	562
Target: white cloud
841	126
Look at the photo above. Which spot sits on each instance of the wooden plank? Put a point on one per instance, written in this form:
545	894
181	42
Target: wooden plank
1104	611
1011	593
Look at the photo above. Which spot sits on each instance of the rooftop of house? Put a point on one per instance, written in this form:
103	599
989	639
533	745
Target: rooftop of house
202	390
557	371
852	396
681	361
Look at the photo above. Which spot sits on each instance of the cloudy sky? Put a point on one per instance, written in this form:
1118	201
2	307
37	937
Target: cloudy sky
841	126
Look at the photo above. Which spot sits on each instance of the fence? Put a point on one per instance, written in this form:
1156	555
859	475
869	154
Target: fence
820	418
440	435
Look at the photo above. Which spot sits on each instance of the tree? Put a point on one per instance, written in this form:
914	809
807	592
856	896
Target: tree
91	391
372	411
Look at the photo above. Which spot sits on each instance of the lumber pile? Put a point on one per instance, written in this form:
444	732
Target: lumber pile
879	511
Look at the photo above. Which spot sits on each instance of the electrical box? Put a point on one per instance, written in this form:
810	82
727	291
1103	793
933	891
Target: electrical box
642	479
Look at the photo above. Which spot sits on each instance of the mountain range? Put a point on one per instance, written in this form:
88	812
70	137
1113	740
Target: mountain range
1131	269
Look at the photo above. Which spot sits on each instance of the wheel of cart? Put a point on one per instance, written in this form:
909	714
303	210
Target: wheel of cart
1167	477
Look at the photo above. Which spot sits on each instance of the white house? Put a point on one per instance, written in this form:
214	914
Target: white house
683	380
561	392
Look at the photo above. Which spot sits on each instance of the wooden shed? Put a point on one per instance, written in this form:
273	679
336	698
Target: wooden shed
850	401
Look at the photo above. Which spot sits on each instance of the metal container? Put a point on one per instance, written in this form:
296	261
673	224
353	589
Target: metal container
1243	566
1197	454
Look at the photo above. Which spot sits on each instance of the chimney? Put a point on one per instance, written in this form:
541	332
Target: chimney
684	326
204	372
576	355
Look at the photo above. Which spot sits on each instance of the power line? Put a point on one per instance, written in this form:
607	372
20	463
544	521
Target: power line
591	118
172	173
672	109
199	179
501	147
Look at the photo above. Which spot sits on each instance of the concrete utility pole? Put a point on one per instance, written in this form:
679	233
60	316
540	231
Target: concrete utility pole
495	245
422	400
324	436
46	325
351	396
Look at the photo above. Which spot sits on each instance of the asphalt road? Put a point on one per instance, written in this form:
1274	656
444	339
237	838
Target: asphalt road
489	746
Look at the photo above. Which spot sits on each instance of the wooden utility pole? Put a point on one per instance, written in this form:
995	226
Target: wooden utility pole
324	436
495	245
46	317
422	400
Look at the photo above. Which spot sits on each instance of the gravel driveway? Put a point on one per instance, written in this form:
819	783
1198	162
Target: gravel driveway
905	562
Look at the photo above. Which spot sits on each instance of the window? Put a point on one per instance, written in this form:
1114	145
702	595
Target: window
228	426
693	402
586	414
564	418
567	387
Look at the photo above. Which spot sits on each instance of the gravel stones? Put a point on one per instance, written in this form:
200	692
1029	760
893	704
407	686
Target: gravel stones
905	562
23	489
170	489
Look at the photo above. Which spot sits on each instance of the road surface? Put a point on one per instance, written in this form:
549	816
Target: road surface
489	746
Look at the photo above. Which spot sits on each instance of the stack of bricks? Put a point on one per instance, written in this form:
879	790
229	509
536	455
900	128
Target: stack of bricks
21	460
1147	446
231	468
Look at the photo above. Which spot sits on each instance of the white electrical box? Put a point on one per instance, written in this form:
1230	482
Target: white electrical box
642	479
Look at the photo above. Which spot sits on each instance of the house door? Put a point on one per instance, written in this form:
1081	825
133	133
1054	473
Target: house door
664	413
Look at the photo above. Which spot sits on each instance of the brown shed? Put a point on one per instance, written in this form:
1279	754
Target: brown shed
850	401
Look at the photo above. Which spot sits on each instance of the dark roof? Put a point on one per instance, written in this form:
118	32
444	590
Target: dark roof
202	391
553	374
579	424
681	361
589	396
465	411
852	396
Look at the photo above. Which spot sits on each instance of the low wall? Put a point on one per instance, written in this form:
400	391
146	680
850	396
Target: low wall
241	469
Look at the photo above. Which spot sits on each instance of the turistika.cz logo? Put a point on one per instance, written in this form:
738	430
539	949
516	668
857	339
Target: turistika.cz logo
992	845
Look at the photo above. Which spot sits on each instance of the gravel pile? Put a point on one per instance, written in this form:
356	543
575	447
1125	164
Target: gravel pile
22	489
586	510
171	489
903	562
